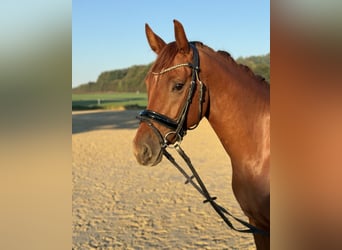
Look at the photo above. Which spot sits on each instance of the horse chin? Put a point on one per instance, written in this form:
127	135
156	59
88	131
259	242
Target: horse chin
158	159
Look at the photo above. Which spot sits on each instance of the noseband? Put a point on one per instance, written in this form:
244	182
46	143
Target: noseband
178	130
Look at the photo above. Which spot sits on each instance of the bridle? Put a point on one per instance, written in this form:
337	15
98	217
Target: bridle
178	130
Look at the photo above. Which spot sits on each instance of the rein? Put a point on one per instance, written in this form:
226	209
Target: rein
148	116
201	188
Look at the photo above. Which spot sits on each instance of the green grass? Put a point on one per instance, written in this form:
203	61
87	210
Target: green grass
109	101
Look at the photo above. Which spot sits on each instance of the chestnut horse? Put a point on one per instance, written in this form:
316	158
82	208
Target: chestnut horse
189	81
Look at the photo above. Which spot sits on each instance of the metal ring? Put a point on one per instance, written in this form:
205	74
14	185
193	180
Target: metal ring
176	143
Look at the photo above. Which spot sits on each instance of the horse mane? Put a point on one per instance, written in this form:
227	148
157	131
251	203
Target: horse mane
226	56
244	67
168	53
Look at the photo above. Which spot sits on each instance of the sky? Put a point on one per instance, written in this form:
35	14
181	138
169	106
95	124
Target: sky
110	34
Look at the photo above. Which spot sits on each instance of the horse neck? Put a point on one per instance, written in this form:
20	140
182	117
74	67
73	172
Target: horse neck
239	111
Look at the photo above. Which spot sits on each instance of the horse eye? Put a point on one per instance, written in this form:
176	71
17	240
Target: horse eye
178	87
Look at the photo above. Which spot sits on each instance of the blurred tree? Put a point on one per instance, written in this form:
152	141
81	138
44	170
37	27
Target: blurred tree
132	79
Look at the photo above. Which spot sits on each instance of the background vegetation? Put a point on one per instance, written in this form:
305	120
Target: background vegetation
132	79
109	100
259	64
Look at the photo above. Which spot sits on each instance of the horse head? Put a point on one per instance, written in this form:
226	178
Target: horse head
177	99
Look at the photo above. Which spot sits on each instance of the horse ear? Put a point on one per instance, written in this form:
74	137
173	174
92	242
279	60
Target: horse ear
181	40
156	43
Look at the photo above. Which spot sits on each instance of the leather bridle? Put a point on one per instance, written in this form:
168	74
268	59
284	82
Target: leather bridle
178	130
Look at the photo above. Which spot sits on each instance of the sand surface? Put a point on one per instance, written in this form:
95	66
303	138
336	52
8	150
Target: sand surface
118	204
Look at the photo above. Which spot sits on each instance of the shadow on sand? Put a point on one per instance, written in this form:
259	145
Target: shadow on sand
88	121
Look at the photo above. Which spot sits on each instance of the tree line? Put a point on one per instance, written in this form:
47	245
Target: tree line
132	79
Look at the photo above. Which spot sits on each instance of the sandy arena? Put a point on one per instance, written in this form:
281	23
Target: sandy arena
118	204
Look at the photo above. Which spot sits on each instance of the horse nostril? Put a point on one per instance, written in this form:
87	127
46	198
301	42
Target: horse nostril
146	154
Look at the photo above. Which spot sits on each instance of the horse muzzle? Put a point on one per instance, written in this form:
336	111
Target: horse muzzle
146	146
